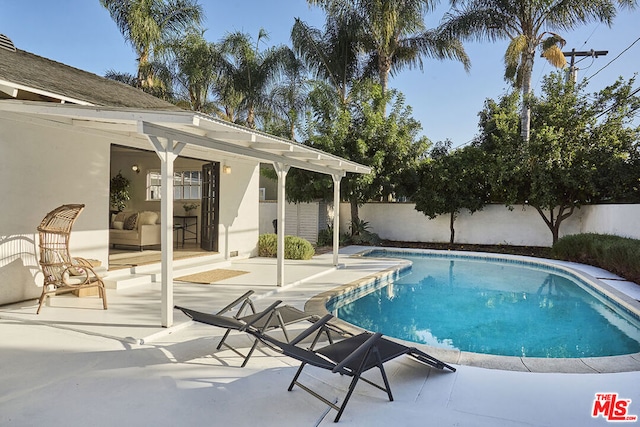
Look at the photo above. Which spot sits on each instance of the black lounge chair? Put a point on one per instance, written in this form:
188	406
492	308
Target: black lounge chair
271	318
352	356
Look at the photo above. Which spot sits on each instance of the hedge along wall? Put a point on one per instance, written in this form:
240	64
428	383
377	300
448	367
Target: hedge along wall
495	224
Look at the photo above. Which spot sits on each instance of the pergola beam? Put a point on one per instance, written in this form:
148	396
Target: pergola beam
147	128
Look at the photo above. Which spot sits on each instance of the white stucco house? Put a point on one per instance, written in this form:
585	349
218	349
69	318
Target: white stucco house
64	133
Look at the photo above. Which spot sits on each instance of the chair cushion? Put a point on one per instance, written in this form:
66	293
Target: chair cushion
121	216
147	218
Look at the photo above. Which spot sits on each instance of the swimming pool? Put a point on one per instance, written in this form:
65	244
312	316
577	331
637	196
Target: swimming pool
493	306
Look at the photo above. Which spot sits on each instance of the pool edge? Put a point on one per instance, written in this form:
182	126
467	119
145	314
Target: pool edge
594	365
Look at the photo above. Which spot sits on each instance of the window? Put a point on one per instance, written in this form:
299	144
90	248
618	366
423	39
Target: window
187	185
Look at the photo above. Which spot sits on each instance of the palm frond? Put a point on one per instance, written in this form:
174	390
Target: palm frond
514	51
555	56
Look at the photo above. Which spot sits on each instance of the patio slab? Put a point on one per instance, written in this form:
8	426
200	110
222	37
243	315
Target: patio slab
117	366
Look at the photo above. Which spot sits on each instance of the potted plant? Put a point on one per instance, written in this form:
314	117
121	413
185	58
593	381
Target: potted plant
119	192
189	208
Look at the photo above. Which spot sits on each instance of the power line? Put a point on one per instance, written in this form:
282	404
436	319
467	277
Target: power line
617	103
610	62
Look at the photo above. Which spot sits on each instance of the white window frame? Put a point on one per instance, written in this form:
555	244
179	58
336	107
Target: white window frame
185	183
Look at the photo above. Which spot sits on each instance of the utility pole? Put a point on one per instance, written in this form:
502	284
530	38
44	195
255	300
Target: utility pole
573	71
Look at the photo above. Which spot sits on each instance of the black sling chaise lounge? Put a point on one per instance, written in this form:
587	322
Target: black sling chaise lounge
258	323
352	356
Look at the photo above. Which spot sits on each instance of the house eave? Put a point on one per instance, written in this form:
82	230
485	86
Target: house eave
192	128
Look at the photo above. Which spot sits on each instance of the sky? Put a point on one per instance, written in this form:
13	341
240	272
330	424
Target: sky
445	99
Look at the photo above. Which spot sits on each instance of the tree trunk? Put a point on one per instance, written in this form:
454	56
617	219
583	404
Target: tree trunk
553	223
251	118
292	131
525	116
384	67
143	60
452	219
555	231
355	218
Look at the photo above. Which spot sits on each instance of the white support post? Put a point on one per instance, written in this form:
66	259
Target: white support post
281	171
336	216
168	151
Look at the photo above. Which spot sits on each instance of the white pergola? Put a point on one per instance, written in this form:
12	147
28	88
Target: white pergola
170	133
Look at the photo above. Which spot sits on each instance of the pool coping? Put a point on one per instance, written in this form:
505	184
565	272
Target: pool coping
590	365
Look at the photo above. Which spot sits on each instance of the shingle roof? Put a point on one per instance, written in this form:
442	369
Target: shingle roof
30	71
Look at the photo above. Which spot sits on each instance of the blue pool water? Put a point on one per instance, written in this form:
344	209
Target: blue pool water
501	308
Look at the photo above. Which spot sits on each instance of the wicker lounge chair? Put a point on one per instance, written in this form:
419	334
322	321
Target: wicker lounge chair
273	317
352	356
63	273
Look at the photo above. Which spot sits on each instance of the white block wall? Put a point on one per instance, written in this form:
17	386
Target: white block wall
495	224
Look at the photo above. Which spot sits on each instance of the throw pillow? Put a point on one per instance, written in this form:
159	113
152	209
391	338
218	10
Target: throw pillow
120	216
118	225
131	222
147	218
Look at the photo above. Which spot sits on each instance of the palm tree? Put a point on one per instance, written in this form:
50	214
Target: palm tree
194	70
126	78
394	35
332	56
159	74
289	96
146	24
528	25
248	72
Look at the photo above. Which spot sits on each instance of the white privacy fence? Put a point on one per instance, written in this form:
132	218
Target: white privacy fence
301	219
495	224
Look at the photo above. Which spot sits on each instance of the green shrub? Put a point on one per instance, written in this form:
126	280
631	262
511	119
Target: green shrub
362	235
616	254
366	238
297	248
325	237
294	247
268	245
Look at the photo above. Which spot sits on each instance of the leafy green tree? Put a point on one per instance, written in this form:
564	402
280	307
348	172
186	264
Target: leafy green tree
583	149
393	33
389	144
528	25
147	25
452	181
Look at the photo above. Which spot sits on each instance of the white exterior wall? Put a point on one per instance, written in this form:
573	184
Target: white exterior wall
41	169
495	224
239	213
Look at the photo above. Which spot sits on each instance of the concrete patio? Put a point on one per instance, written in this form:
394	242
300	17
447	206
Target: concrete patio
71	366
